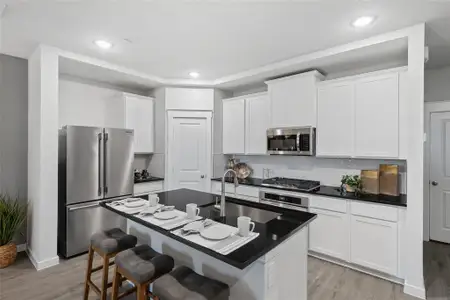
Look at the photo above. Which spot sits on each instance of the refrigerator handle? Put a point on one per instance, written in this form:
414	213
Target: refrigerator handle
105	164
99	164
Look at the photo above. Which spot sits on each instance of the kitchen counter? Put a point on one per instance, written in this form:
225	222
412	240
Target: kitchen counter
272	233
150	179
329	191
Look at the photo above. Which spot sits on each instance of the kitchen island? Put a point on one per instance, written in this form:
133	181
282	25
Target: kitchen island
271	266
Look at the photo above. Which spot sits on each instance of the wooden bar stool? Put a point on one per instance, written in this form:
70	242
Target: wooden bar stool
141	265
183	283
106	244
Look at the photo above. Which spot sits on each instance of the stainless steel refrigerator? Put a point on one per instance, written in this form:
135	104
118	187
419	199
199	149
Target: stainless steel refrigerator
94	164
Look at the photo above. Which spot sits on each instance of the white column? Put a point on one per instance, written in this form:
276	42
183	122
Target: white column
414	283
43	157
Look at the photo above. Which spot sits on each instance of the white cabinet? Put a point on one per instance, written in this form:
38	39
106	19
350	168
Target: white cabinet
335	120
139	116
256	123
144	188
374	244
234	126
294	100
329	233
245	122
359	116
242	192
377	116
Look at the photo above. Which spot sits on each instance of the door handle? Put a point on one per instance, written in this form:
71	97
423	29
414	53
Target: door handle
99	164
105	163
434	183
203	176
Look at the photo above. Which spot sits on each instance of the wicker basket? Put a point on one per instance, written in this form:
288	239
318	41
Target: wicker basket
8	255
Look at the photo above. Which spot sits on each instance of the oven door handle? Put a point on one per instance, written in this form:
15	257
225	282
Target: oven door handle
282	205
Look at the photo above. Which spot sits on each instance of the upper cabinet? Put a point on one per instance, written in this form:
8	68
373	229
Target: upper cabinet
139	116
293	100
234	126
245	122
359	116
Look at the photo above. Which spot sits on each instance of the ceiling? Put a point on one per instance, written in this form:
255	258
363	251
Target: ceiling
170	38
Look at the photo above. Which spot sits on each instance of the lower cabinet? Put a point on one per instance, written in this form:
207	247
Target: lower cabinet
374	244
329	234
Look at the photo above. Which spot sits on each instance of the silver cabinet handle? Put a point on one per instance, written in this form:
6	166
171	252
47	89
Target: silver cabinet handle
99	164
83	207
105	163
434	183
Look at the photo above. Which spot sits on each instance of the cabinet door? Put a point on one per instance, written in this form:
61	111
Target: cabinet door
293	101
335	120
329	234
374	244
140	117
377	116
256	124
234	126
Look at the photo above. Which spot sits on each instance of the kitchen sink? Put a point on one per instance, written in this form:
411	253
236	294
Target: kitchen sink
256	214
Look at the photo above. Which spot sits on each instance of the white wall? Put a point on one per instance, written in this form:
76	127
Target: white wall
328	171
437	84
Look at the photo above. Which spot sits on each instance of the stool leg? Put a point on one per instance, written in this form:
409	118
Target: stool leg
142	292
88	273
104	290
116	283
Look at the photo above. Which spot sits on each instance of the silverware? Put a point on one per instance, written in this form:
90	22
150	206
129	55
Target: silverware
162	208
206	223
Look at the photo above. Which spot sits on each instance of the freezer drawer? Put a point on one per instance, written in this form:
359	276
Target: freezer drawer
85	219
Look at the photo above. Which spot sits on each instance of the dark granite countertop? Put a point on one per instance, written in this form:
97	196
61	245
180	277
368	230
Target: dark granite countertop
271	233
150	179
330	191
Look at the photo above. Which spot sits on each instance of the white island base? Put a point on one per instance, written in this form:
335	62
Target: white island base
280	274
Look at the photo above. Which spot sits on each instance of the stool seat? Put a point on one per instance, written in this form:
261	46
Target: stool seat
142	263
184	284
112	241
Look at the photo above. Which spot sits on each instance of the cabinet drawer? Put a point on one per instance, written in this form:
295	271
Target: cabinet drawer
332	204
247	191
376	211
148	187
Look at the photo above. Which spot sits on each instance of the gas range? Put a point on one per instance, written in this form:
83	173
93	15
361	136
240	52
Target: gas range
290	183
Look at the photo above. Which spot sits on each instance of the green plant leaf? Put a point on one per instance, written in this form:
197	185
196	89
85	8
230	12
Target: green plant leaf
13	214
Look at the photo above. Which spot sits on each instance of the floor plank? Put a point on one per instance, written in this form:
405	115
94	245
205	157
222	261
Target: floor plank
325	280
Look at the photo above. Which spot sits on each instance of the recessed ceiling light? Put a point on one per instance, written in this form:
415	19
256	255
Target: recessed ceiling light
103	44
194	74
363	21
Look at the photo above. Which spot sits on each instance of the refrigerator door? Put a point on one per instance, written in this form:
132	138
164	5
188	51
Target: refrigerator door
84	162
85	219
118	162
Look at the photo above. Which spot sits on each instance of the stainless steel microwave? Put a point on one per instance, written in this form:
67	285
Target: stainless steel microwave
291	141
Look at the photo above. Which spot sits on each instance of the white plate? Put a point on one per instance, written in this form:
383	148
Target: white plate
166	215
135	204
216	233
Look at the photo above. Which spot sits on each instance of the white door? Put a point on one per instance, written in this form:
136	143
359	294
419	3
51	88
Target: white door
377	116
440	177
189	150
234	126
256	124
335	120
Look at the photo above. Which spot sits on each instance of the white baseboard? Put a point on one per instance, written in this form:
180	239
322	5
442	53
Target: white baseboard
418	292
41	265
21	247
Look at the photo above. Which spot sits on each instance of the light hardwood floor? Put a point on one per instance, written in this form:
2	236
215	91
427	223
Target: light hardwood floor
325	280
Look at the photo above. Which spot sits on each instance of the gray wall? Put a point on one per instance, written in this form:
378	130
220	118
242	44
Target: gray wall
13	127
437	84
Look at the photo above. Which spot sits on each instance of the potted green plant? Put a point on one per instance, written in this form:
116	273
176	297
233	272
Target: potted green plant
352	183
12	216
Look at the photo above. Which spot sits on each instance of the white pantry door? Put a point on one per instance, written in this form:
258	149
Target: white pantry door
189	149
440	177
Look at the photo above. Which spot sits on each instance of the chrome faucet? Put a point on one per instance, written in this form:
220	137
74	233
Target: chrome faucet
222	198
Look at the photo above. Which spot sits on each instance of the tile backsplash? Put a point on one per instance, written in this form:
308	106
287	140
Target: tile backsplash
326	170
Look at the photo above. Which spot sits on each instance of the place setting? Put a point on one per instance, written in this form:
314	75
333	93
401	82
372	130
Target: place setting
219	237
